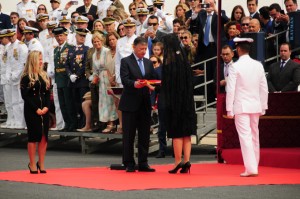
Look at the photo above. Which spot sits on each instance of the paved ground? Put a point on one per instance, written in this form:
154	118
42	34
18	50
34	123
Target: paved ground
68	155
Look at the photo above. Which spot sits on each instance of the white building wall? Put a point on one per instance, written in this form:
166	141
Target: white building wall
227	5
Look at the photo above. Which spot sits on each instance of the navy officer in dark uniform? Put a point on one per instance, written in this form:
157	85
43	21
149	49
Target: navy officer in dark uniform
75	65
61	78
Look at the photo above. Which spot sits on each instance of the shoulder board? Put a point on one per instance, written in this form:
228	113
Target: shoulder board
21	42
19	2
70	44
33	42
33	2
59	10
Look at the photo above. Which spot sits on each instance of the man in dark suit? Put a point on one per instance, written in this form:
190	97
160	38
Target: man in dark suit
153	35
207	25
188	16
136	106
4	20
227	55
252	8
90	11
284	76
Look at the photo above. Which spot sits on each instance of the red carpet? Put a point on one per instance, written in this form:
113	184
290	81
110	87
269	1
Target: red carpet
202	175
270	157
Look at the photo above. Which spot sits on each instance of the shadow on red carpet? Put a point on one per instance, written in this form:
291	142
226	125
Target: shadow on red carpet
202	175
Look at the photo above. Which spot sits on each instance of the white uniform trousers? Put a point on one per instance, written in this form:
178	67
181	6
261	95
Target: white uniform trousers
247	128
7	90
17	107
59	118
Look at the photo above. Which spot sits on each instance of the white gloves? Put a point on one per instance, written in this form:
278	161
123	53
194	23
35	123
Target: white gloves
73	78
91	77
160	14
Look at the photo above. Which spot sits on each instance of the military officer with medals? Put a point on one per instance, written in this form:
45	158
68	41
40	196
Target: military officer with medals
75	65
32	42
61	79
65	21
55	13
5	43
27	9
17	54
142	16
42	20
51	44
124	46
82	23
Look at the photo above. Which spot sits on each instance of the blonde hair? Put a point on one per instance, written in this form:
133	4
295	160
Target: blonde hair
33	70
99	36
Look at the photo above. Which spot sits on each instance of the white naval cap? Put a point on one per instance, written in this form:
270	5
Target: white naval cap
81	19
28	29
241	40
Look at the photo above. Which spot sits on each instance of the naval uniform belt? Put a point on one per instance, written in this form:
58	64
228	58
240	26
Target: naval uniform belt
60	70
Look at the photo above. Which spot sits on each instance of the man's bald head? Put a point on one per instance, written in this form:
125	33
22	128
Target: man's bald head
254	25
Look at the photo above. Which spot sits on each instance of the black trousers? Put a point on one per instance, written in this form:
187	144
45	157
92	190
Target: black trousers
132	121
67	107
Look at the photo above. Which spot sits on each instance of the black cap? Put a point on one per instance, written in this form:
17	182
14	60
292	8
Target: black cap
59	30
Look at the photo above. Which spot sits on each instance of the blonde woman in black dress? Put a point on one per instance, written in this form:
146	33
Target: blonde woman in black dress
35	91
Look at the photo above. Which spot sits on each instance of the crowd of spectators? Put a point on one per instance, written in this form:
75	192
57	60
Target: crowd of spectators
101	35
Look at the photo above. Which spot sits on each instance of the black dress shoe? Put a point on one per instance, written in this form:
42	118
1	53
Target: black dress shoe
146	169
130	169
160	155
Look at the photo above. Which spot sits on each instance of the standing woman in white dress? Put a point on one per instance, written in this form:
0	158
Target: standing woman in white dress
103	69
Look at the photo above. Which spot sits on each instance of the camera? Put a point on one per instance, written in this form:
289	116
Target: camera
74	2
205	5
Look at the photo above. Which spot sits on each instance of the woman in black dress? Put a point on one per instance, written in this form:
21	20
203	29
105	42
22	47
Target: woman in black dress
177	99
35	90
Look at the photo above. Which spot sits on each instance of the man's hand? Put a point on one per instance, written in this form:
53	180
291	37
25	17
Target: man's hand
223	82
90	17
230	114
140	83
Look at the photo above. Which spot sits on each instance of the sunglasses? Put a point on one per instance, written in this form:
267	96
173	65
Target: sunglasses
152	24
132	8
154	62
245	24
183	37
41	9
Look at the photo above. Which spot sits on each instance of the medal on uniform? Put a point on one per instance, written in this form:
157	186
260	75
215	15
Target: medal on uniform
4	57
78	59
15	54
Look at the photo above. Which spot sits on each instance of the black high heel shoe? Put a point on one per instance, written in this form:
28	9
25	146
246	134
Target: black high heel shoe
180	165
39	168
32	172
186	168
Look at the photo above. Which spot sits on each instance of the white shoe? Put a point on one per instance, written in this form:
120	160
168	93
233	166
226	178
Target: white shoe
245	174
53	129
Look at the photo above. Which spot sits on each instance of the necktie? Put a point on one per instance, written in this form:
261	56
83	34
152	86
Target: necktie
59	48
140	63
226	69
150	46
206	31
281	65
